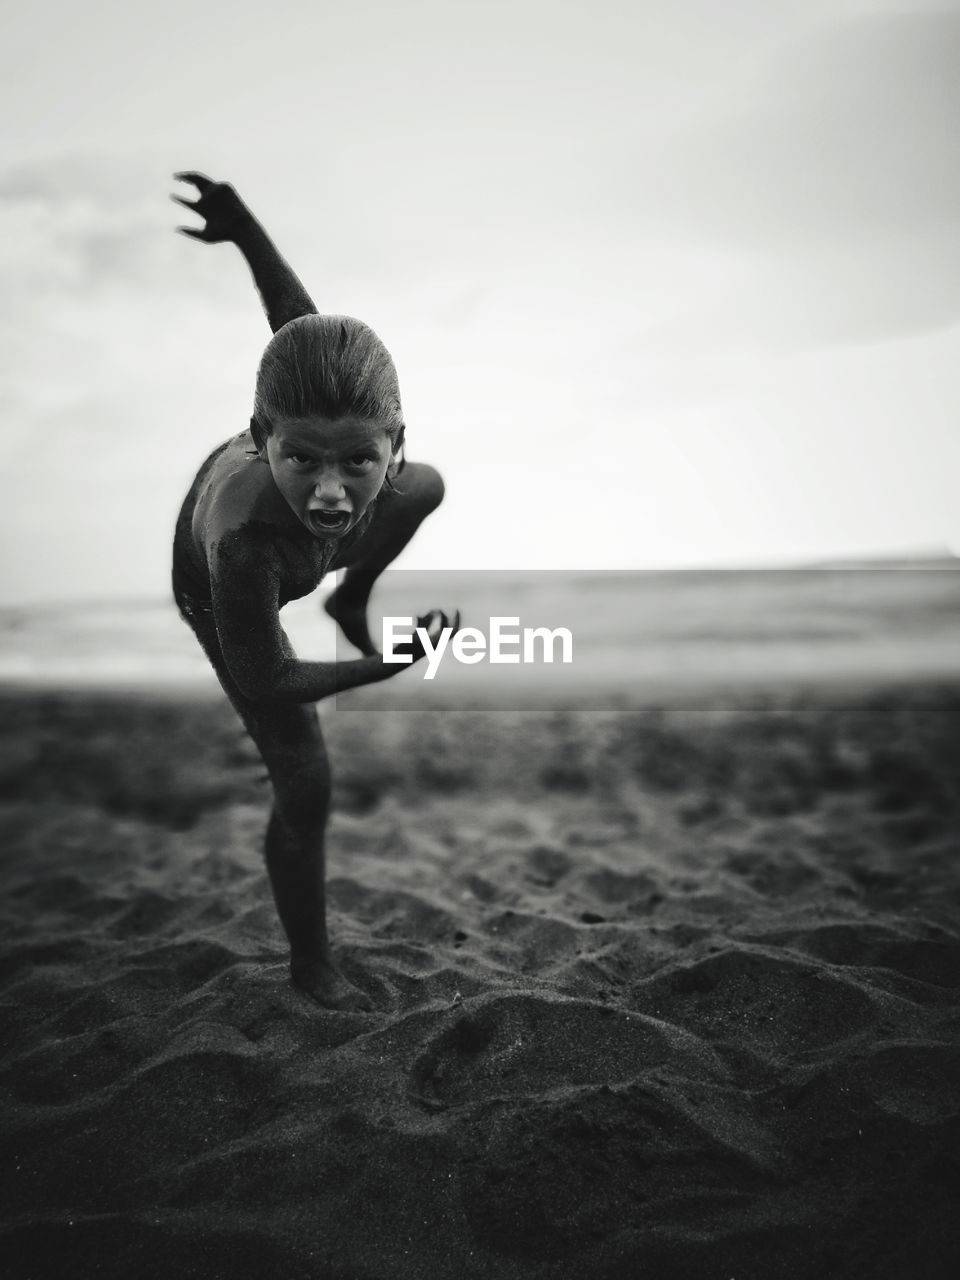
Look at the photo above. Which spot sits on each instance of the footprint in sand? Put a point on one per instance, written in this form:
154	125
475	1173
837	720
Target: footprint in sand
480	887
514	1045
934	961
547	865
752	998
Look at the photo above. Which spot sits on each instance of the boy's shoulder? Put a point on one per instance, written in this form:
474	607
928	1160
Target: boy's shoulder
250	538
238	498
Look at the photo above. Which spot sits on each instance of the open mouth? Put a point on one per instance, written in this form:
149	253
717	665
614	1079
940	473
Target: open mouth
328	521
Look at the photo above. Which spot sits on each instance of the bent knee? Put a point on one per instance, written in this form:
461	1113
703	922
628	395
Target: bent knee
422	484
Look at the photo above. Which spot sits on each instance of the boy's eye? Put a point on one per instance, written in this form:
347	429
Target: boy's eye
361	461
299	459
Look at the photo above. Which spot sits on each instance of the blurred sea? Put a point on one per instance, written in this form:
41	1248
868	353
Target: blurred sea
636	633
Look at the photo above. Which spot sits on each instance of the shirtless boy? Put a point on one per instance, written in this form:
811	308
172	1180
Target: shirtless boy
316	483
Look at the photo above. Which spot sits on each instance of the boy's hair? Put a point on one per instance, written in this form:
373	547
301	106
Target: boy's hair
331	366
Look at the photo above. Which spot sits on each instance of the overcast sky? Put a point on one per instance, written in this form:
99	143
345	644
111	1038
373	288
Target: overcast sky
665	284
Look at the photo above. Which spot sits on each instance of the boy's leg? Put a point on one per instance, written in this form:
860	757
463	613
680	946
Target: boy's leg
290	742
399	514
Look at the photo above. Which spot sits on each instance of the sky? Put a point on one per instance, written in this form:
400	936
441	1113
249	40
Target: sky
666	286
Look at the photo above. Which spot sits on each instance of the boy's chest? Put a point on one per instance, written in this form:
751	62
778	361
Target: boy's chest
306	560
302	566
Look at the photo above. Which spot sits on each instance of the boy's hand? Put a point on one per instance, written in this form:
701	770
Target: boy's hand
433	623
218	204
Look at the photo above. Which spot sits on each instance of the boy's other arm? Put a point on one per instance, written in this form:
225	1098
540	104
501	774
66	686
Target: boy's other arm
228	220
245	585
245	592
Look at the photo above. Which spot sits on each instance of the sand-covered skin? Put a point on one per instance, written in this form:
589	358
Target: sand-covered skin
665	992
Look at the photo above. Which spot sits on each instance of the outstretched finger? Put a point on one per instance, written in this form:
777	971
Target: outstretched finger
195	233
199	180
187	204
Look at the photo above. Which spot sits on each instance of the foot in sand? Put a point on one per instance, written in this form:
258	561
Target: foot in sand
351	616
323	982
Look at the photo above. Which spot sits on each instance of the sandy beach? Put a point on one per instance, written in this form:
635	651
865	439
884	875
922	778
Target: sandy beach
667	990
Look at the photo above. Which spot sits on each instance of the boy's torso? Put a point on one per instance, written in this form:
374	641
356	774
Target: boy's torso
234	496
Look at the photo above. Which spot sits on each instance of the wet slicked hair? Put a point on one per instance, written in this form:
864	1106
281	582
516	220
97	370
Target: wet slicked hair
331	367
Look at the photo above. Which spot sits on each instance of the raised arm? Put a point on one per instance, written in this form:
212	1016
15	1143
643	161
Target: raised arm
228	220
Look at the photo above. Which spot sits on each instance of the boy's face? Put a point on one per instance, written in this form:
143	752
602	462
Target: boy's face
329	471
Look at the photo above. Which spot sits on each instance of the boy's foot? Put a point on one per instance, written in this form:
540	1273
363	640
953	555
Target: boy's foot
351	617
323	982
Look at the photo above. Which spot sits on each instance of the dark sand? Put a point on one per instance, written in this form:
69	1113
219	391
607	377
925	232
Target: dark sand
671	992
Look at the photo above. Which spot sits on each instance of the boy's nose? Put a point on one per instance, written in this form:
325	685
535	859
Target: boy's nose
329	487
